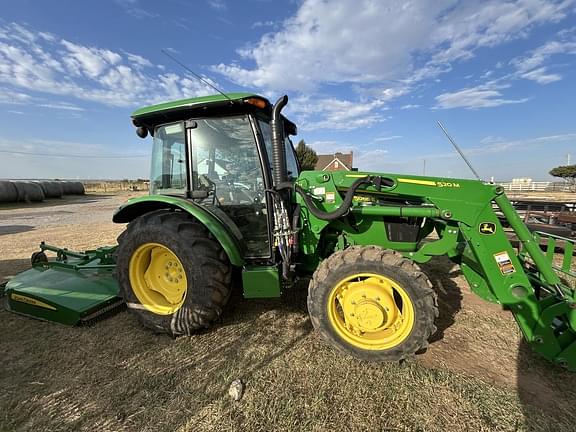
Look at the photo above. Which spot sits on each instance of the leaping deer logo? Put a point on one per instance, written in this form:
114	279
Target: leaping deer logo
487	228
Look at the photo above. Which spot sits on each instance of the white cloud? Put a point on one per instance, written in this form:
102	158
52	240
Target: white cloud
131	8
43	63
335	114
364	160
367	42
331	147
8	96
336	42
371	160
138	60
483	96
541	76
533	66
505	145
491	145
219	5
485	158
88	61
410	106
538	56
387	138
259	24
62	106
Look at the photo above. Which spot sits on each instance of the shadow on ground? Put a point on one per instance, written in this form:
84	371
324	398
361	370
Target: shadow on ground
544	388
118	376
15	229
106	375
52	202
442	272
10	268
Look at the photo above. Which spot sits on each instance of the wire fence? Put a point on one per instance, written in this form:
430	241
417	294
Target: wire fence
537	186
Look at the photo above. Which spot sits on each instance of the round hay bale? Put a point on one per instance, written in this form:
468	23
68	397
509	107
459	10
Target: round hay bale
29	191
8	192
66	187
51	189
76	188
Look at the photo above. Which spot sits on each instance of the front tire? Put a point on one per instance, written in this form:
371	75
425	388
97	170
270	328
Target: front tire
173	274
372	303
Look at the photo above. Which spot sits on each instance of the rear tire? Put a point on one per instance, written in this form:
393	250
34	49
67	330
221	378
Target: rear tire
205	288
372	303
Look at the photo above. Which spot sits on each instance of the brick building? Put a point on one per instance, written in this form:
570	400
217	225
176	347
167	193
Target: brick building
335	162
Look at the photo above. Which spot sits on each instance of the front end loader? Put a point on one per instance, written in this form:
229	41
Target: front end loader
228	204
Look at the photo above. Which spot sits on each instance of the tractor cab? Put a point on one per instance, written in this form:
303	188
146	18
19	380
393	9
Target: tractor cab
217	152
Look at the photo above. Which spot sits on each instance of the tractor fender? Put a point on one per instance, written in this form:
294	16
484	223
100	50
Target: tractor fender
215	221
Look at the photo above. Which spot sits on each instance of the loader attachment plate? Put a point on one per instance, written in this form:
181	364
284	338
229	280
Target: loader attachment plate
76	288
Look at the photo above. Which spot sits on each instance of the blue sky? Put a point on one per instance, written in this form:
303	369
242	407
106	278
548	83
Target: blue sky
368	76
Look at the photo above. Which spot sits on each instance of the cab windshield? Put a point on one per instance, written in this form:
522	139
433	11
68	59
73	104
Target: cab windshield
225	160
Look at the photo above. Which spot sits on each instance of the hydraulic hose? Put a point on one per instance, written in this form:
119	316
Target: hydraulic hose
295	225
340	211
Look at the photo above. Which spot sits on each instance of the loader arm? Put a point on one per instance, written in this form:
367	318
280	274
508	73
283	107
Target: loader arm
398	212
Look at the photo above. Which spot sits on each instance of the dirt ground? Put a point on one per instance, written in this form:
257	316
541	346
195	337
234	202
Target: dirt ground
116	376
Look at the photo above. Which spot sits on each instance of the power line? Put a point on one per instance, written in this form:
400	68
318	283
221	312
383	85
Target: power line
75	155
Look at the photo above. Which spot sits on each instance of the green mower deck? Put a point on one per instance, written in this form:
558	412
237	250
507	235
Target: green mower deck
75	288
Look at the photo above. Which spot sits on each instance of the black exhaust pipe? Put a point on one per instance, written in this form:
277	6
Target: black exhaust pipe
278	155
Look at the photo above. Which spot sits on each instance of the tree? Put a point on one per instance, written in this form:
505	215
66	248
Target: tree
306	156
566	172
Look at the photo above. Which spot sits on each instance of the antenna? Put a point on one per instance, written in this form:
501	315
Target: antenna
458	150
198	77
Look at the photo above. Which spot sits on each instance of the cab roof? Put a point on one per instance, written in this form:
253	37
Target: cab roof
211	105
193	102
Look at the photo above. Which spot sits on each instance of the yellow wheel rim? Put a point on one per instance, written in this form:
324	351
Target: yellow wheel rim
371	311
158	278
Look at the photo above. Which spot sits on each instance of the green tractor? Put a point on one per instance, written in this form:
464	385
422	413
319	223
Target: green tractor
228	203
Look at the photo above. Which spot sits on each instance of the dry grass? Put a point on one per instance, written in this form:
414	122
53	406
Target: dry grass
114	186
116	376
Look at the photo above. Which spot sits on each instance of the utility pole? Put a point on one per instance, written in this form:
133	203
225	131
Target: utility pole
568	159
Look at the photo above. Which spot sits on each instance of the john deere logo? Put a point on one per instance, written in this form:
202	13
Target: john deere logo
487	228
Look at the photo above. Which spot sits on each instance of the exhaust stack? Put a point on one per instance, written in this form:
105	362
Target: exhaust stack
278	153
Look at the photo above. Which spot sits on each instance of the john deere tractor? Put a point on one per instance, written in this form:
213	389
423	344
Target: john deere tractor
229	207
